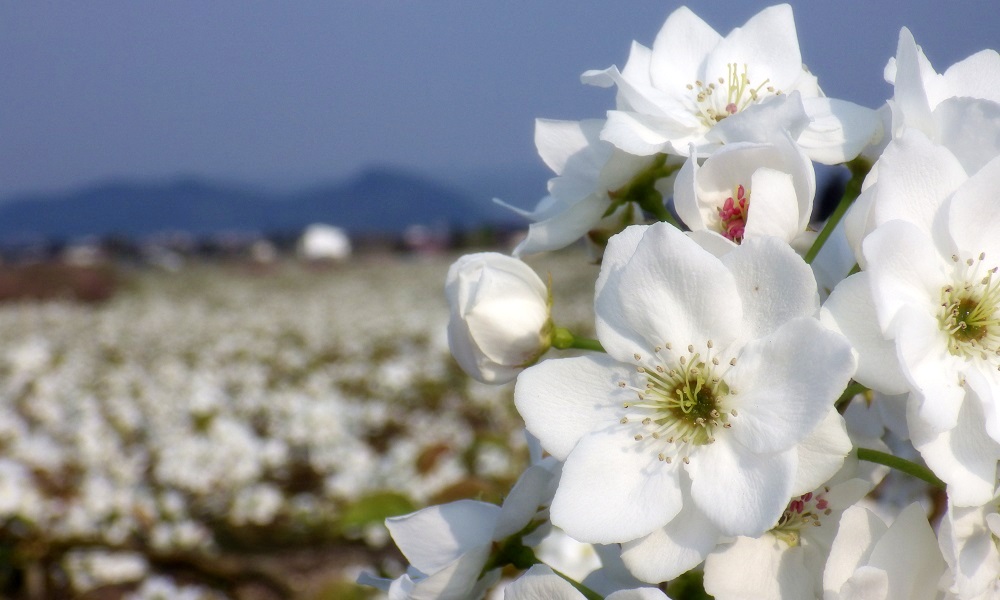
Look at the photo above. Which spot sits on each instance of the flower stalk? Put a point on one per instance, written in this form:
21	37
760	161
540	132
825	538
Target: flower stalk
642	190
859	168
563	339
900	464
586	591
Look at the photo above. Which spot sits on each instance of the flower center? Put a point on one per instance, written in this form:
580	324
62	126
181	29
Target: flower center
681	401
805	511
710	104
970	311
733	215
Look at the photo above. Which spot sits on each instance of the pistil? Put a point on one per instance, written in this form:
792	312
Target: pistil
682	401
970	311
740	93
733	215
807	510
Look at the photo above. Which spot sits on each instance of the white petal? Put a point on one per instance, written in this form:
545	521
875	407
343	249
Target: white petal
974	214
970	129
964	457
914	178
860	221
775	285
934	373
456	581
472	361
985	386
438	535
644	135
558	141
774	208
786	383
851	311
680	49
909	103
670	290
967	544
906	271
838	130
507	328
686	195
614	489
758	569
867	583
564	227
540	583
909	554
561	400
533	489
741	492
636	92
859	530
977	76
767	44
821	453
620	249
668	552
713	242
761	122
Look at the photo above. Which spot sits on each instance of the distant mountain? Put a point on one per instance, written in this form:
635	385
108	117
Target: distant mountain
380	200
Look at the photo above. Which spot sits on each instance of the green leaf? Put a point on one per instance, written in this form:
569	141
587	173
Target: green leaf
689	586
375	508
345	590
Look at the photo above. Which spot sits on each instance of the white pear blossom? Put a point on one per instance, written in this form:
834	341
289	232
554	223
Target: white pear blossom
499	316
541	583
873	562
448	545
582	196
716	369
690	536
936	295
745	190
788	560
696	87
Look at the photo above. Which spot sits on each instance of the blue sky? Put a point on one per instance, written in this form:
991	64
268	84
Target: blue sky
290	93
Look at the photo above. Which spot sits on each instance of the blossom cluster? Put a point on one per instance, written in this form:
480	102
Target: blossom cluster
752	375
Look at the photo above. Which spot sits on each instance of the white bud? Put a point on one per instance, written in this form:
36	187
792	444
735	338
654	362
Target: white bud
499	316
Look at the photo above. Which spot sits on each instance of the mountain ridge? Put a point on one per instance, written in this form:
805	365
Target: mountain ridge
376	200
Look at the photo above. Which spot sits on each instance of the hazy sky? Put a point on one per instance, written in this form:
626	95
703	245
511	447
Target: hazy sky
288	93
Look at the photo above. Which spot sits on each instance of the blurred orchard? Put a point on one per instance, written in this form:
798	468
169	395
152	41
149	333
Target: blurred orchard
221	432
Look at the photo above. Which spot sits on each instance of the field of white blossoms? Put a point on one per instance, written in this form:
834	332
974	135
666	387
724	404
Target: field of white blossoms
221	433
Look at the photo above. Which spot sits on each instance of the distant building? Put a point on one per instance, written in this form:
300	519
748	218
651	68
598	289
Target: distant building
324	242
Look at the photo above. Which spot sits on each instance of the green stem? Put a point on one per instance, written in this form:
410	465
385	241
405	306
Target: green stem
859	169
900	464
586	591
641	189
853	389
563	339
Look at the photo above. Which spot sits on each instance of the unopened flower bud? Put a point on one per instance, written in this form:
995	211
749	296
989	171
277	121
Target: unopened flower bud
499	316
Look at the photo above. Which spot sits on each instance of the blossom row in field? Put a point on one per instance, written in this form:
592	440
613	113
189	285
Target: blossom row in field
206	410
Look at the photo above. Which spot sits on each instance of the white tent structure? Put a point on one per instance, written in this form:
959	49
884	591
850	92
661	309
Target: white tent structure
324	242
